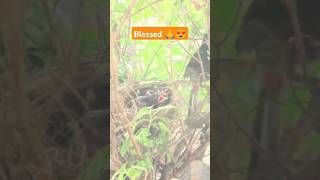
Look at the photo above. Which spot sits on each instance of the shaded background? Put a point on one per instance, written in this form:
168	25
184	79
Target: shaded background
54	81
266	90
53	89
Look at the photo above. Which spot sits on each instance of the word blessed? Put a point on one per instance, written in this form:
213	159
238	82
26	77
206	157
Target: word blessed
159	33
137	34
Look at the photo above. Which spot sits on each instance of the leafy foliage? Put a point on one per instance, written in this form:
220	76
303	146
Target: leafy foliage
152	132
156	61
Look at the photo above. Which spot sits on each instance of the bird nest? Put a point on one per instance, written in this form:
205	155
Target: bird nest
148	125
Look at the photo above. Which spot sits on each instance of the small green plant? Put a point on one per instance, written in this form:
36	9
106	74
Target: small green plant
152	132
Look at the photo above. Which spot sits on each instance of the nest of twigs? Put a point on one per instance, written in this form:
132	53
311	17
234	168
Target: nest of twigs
159	136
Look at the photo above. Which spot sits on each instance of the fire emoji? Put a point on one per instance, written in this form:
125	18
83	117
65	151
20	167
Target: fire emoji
169	35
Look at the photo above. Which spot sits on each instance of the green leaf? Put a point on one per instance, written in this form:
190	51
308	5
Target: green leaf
292	106
143	112
311	145
225	11
122	173
224	14
169	157
163	127
97	166
134	172
314	69
143	137
125	147
147	162
88	35
303	93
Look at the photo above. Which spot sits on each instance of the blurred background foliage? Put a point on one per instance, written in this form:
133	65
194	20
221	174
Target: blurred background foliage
240	82
54	65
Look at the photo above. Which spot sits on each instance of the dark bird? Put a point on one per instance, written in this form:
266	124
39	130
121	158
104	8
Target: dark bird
199	64
198	70
153	97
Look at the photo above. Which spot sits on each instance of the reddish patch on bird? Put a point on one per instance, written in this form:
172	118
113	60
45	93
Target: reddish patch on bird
161	98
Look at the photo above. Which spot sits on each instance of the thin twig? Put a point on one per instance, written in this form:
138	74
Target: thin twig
146	6
114	78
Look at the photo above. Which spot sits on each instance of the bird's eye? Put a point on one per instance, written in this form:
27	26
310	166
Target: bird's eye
149	92
166	91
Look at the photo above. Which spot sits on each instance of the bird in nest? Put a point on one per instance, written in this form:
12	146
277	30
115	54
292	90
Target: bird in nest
153	97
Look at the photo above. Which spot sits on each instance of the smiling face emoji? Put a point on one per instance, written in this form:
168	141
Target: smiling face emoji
181	33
